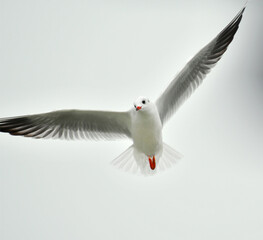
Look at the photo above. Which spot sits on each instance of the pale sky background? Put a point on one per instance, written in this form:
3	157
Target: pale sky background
103	55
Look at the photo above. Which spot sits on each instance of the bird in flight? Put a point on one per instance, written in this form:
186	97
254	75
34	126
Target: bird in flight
143	123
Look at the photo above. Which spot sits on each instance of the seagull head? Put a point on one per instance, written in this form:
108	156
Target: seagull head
141	103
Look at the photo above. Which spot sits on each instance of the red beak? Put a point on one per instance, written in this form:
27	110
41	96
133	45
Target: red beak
138	108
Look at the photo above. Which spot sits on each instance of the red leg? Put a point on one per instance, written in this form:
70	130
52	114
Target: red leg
152	163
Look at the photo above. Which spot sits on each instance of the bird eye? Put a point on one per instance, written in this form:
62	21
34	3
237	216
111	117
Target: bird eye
143	101
134	105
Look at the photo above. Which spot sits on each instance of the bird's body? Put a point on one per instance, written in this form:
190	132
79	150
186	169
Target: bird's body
143	123
146	130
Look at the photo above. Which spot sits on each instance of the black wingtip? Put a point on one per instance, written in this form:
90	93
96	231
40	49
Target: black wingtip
240	13
243	9
225	37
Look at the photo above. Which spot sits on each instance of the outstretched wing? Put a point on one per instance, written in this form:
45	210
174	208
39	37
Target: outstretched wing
70	124
191	76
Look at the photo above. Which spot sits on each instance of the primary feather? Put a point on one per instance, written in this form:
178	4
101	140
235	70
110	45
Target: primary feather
70	124
191	76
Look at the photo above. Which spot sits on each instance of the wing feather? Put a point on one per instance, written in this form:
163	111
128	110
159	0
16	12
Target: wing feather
70	124
192	75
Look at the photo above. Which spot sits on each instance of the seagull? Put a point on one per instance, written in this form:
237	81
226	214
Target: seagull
143	123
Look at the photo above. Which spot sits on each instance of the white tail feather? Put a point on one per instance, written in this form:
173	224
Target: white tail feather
126	161
137	163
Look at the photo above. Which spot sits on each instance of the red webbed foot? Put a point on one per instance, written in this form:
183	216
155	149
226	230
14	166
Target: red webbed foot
152	163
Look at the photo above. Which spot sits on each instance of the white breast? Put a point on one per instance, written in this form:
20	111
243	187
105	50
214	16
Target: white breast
147	130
